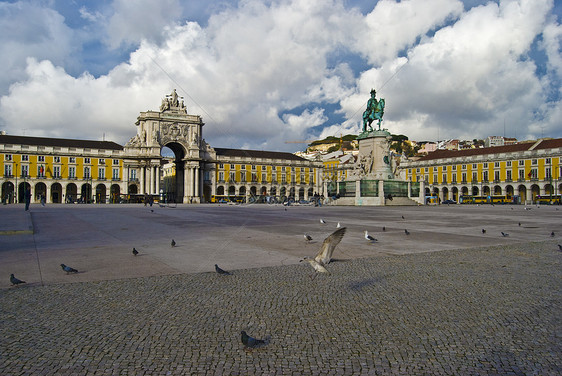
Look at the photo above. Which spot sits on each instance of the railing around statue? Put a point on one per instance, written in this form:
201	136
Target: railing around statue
396	188
369	188
347	189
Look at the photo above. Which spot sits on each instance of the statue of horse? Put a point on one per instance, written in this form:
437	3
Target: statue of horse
374	111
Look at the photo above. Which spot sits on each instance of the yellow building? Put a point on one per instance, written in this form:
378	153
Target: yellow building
60	170
522	172
254	175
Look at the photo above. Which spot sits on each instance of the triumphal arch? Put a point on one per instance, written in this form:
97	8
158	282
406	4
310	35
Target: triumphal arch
174	128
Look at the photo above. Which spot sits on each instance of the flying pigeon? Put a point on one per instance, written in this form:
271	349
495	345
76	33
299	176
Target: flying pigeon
504	234
369	237
307	237
15	281
68	269
173	244
322	221
251	342
483	230
221	271
406	232
135	252
328	246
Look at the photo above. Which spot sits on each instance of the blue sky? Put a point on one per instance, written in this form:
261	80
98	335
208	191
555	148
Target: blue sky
262	73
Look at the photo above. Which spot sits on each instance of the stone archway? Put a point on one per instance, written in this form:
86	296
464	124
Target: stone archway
115	194
71	193
101	192
455	191
174	128
40	191
22	188
56	193
535	191
522	193
8	192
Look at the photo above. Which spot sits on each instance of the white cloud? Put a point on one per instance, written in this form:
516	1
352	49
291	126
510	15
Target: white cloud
29	30
136	20
253	64
393	26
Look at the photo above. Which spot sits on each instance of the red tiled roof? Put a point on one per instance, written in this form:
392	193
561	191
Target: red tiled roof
523	146
257	154
60	142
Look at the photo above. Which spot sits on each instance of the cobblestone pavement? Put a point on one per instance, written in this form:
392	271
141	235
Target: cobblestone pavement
493	310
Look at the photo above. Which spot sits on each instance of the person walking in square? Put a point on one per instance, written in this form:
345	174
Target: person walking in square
27	198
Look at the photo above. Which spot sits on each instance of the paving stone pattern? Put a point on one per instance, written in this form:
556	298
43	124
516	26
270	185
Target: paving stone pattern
481	311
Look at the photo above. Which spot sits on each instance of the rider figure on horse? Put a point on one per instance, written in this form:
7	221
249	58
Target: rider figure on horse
374	111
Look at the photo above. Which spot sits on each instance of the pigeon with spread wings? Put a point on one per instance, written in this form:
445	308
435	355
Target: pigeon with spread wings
330	243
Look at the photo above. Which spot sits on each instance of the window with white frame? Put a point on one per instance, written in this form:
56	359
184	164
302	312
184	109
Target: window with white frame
41	158
221	176
232	176
86	172
101	173
24	171
25	158
508	175
115	174
71	172
7	170
71	159
8	157
116	162
56	172
56	159
133	174
87	160
101	161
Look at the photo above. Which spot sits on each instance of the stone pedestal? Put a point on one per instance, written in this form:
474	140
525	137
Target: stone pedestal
374	155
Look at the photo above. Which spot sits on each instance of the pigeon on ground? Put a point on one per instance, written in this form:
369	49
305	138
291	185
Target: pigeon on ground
559	248
68	269
173	244
519	224
369	237
552	234
483	230
403	217
384	228
307	237
135	252
406	232
251	342
15	281
221	271
504	234
324	256
322	221
338	225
